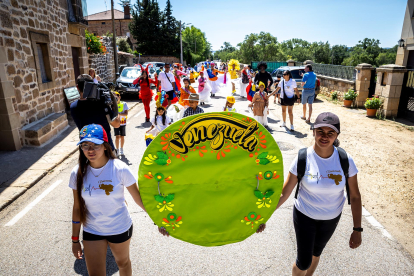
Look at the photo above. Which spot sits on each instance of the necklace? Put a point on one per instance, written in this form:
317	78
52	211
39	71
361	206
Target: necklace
101	170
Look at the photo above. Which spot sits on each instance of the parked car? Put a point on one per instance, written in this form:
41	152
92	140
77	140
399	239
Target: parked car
124	82
296	75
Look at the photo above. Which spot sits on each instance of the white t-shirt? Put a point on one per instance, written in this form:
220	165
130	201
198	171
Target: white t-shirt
322	192
166	84
107	213
159	126
289	88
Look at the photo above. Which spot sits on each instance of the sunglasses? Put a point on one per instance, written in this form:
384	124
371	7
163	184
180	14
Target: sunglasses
86	147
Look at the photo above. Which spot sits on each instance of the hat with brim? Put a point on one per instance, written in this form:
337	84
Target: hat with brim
328	119
193	97
231	99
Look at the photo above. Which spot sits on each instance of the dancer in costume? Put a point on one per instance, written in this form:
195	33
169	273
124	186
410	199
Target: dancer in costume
244	81
260	105
145	93
185	92
212	77
234	69
159	122
229	104
204	89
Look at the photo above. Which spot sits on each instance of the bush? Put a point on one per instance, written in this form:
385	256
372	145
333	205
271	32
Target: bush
334	95
373	103
350	95
94	44
124	46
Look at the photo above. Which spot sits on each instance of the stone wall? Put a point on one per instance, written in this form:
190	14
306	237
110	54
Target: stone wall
165	59
104	64
29	28
329	84
126	59
121	28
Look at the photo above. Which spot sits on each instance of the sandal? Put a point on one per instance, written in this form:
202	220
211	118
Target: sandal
303	118
307	121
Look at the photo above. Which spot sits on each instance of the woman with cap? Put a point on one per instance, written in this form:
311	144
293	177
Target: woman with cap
145	92
323	175
98	182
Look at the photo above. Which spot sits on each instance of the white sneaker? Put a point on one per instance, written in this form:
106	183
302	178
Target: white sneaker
283	124
292	128
121	151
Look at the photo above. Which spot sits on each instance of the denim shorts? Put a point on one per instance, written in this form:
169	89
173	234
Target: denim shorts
308	95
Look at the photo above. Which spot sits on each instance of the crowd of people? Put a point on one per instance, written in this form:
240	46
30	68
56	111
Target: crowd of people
106	220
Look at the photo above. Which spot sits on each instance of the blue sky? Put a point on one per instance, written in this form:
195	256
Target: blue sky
339	22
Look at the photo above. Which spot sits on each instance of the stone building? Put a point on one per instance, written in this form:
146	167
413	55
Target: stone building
101	23
42	50
405	53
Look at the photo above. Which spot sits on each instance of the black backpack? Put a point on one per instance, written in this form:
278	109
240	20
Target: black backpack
343	158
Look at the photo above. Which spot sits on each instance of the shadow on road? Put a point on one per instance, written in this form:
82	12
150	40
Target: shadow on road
144	125
111	267
124	159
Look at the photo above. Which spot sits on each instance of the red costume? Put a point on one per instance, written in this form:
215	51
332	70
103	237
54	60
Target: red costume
145	92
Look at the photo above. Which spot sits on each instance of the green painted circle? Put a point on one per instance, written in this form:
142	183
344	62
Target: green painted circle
209	165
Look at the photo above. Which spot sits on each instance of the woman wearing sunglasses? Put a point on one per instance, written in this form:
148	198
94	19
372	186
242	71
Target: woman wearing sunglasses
98	182
288	97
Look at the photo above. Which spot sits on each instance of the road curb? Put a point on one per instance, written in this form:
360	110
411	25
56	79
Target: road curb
23	190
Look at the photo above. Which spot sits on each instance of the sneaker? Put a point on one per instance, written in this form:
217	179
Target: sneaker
283	124
292	128
121	151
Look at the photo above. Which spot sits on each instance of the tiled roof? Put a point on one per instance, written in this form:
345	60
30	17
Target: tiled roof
106	15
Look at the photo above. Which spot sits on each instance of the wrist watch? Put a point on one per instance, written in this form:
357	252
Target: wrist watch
358	229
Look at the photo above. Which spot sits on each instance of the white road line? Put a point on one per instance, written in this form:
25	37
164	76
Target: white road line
375	223
31	205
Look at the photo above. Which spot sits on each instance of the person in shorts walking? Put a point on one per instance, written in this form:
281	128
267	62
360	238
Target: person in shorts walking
308	92
120	132
166	80
323	172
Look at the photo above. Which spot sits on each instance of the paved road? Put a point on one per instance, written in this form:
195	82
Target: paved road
39	242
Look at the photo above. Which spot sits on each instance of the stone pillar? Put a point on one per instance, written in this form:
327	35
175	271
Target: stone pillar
9	118
389	85
306	62
291	62
363	79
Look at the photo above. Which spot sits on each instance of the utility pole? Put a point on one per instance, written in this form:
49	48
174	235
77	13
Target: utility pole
181	44
114	41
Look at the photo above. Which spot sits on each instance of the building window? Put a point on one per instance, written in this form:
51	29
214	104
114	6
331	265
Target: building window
43	62
103	23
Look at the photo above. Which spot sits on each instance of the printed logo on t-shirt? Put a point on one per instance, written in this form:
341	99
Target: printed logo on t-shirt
337	178
108	188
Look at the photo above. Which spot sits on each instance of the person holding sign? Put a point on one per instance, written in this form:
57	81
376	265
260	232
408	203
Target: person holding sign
322	173
120	132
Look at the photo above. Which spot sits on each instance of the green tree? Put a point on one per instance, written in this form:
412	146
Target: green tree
123	45
194	44
170	32
385	58
145	27
339	53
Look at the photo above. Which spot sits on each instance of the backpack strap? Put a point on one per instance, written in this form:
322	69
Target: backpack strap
343	158
301	167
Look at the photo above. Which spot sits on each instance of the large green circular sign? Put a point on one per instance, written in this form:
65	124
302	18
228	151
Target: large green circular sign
211	179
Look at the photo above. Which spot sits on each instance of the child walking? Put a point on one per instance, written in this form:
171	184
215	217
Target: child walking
120	132
229	104
160	122
260	103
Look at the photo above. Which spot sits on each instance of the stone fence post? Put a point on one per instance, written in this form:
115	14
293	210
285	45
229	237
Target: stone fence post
362	82
291	62
390	79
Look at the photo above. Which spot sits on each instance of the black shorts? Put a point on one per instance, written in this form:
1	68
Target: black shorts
170	94
120	131
311	237
282	102
120	238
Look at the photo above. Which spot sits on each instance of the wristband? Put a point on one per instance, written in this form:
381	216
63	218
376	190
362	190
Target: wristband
75	241
358	229
75	238
75	222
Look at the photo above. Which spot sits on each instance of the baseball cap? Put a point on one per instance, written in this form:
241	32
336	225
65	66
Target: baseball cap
328	119
231	99
93	133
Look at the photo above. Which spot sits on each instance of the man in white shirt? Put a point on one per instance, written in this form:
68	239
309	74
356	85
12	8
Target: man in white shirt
167	81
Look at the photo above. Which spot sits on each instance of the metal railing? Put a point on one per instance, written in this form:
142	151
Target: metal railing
336	71
77	11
